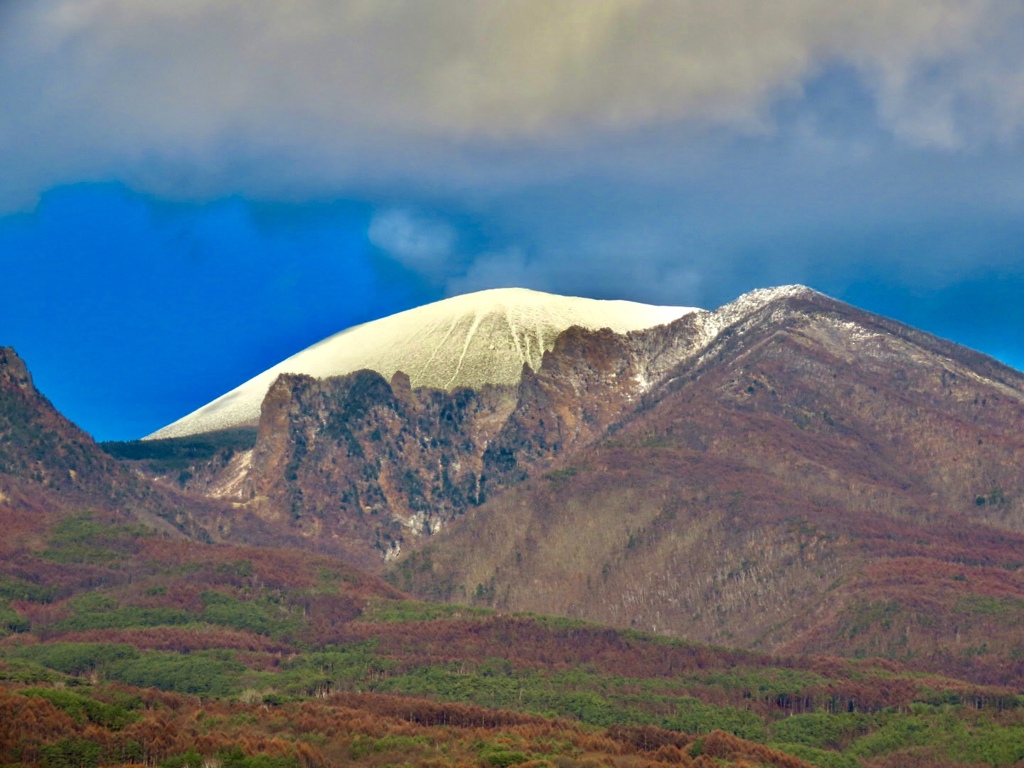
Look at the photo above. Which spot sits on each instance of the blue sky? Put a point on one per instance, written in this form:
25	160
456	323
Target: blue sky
193	191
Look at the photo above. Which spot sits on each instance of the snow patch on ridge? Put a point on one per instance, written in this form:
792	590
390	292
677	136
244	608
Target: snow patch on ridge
712	324
705	327
230	482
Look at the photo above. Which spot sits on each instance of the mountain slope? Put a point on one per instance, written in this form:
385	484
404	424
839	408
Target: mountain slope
467	341
47	464
49	468
38	444
814	478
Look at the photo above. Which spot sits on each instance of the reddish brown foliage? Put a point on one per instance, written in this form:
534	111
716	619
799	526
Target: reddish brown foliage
181	640
170	725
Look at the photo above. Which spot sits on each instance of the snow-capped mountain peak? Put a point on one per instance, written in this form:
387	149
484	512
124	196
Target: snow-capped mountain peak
469	340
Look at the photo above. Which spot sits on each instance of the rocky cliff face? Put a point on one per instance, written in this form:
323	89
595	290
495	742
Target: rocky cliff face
362	465
586	383
365	467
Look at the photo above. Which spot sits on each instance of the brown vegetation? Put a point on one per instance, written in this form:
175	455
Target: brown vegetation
370	730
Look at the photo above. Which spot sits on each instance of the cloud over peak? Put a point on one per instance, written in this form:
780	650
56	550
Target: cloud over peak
285	99
419	242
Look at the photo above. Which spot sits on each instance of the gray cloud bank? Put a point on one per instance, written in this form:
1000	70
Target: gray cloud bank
316	97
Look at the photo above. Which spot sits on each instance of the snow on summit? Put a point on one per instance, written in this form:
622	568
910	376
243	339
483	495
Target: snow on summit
466	341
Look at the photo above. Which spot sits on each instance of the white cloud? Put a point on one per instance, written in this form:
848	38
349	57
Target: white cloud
419	242
288	99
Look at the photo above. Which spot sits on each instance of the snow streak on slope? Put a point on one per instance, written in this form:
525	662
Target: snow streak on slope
466	341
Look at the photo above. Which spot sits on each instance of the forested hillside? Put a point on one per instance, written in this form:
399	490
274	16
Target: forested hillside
122	645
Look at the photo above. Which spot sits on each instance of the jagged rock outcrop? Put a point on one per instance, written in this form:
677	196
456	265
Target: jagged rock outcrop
362	464
587	382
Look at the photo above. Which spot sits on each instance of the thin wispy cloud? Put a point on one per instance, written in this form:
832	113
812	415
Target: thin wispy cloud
419	242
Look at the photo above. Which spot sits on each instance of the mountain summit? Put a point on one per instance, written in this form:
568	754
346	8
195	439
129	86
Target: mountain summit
466	341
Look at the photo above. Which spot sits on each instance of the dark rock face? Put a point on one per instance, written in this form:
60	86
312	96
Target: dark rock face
585	384
13	371
363	465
